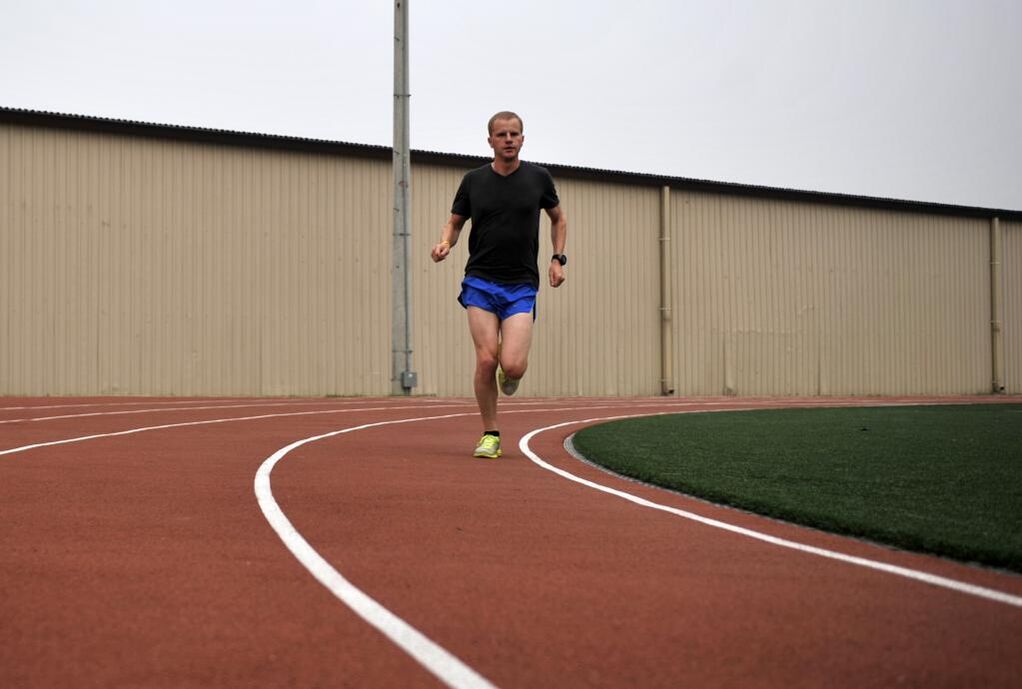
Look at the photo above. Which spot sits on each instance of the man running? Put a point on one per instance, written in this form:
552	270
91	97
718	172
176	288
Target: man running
503	200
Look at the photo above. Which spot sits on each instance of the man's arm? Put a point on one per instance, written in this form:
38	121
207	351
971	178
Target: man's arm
448	238
558	236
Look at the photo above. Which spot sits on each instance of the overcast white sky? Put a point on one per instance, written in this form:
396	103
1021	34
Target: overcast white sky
907	99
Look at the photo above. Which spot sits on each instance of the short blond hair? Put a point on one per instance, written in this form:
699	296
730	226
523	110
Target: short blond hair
504	115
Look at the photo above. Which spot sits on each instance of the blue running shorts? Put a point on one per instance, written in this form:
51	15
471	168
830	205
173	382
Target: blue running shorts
503	300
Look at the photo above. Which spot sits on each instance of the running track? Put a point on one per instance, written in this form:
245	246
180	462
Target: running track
355	543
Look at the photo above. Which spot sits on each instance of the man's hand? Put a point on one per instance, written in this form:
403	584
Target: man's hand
556	274
440	251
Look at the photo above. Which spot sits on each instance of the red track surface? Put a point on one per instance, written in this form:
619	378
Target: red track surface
145	560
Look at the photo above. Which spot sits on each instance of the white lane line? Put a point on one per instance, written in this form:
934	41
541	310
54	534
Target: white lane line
143	429
224	403
437	660
440	662
432	405
81	405
672	405
932	579
122	412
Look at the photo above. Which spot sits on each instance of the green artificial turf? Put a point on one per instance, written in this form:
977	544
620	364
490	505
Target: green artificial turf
938	479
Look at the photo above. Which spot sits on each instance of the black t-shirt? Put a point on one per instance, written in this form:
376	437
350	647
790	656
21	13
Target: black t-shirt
504	242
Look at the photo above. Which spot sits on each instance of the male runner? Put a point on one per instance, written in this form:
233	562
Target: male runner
503	199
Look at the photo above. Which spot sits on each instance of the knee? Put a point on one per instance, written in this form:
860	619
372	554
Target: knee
486	363
515	369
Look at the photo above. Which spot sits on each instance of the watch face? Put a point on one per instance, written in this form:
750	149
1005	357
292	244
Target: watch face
560	258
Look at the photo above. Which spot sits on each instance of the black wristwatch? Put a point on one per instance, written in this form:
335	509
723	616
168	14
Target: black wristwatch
560	258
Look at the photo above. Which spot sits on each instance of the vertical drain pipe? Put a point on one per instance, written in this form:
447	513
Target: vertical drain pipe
666	326
996	332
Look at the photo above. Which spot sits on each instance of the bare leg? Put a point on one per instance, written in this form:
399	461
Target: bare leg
485	329
515	341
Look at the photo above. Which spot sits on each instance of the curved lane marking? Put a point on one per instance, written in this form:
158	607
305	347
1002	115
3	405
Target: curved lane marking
440	662
161	427
932	579
174	404
437	660
81	405
432	405
205	407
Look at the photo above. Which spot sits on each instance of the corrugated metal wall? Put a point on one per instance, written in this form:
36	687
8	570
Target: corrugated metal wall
598	334
1012	307
778	297
443	355
133	265
140	265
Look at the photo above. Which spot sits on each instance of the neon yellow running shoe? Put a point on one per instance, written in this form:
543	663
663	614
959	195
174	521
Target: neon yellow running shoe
507	385
489	447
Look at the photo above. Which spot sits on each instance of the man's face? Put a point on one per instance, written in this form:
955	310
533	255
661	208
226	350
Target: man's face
506	139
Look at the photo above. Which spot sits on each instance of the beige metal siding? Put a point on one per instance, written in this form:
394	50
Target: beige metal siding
134	265
598	334
442	351
1011	316
151	267
776	297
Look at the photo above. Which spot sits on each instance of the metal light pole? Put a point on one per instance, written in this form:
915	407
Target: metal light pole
403	378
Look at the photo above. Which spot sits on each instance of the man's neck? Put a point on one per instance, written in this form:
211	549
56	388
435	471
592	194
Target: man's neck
505	167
